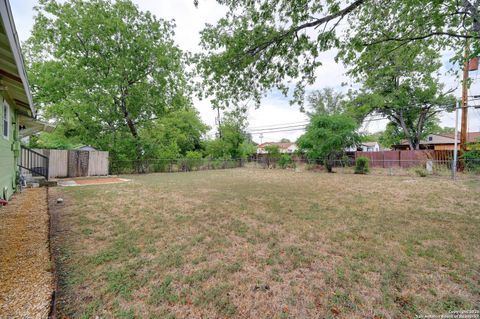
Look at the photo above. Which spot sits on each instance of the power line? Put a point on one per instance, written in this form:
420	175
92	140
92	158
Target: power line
255	128
278	131
278	127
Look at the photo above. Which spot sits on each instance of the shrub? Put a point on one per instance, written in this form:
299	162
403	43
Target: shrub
286	161
193	160
422	172
472	160
361	165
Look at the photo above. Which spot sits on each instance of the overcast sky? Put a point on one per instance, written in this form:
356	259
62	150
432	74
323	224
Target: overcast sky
275	109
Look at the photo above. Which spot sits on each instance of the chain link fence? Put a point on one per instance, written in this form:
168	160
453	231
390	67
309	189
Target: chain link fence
423	168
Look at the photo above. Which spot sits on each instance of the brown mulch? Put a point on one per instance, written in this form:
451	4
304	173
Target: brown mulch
25	269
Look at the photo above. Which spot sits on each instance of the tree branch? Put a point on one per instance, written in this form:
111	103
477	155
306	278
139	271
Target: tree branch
345	11
422	37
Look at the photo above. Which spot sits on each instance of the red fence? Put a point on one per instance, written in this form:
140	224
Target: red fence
404	159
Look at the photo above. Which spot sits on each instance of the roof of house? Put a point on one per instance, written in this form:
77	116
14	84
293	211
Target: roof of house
448	138
471	136
280	145
13	76
370	143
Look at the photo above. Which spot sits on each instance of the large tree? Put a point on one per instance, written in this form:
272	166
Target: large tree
104	69
271	44
402	85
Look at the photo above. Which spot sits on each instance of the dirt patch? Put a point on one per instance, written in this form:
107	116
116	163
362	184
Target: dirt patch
25	268
97	181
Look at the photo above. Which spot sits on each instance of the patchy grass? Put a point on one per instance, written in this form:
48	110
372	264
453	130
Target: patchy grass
268	244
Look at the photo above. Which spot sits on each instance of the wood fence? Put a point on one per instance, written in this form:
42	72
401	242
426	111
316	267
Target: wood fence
405	159
75	163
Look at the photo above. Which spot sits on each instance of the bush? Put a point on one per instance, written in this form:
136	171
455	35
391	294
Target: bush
422	172
472	160
193	160
286	161
361	165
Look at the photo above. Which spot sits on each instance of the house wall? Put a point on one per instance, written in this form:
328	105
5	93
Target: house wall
445	147
8	157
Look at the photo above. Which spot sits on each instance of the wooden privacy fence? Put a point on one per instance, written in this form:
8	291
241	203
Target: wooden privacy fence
75	163
405	159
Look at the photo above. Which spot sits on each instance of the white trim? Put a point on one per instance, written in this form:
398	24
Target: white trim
6	114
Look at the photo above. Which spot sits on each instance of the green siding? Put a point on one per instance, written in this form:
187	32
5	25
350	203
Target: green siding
8	158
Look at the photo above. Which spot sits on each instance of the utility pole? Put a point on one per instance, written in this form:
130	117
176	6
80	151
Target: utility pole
455	147
463	128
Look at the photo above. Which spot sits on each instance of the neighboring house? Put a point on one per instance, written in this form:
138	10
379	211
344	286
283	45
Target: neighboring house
369	147
284	148
16	108
365	147
441	142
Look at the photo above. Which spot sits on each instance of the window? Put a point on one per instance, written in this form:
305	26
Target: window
430	138
6	120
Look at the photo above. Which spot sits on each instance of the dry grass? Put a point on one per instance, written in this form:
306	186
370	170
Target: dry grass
268	244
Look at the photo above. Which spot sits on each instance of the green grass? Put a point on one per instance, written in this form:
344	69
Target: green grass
268	244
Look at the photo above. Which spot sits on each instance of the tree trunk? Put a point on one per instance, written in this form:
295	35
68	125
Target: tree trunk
411	143
122	103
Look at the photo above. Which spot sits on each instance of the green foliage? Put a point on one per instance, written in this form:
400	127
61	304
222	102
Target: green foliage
327	136
103	70
421	171
472	158
373	137
193	160
247	149
362	165
391	136
233	142
260	45
402	85
326	102
217	149
173	135
58	139
273	154
286	161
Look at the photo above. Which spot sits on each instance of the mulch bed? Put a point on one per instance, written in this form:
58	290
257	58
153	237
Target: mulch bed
25	268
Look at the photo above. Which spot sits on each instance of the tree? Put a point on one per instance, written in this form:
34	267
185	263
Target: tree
173	135
402	85
285	140
233	140
263	45
326	102
104	70
273	154
391	136
328	136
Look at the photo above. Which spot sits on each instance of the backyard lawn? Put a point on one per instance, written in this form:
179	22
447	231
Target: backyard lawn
253	243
